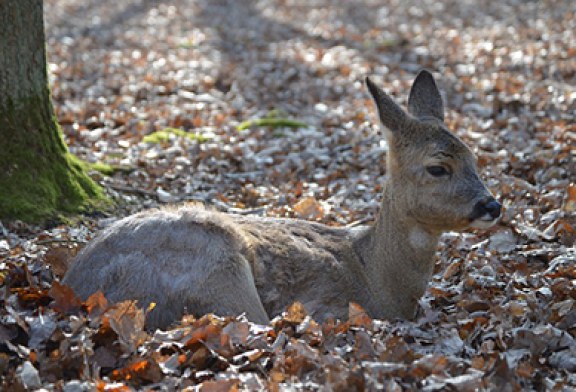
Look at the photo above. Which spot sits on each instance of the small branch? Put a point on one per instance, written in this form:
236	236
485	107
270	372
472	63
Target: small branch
60	241
123	188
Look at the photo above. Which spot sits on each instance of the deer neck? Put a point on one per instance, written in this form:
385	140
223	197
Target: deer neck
398	257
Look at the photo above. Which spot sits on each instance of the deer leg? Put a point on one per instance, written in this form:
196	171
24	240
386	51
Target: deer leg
230	291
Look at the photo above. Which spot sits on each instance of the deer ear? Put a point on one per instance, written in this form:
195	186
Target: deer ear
391	115
425	99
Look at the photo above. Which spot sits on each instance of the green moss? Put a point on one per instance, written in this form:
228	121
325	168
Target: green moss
165	134
101	167
36	194
41	180
274	119
383	43
187	44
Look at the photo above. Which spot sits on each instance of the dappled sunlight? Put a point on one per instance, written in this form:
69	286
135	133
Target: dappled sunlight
260	108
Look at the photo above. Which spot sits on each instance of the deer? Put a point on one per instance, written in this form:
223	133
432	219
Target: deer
195	260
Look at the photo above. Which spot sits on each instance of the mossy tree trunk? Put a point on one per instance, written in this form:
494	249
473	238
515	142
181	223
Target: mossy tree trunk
39	178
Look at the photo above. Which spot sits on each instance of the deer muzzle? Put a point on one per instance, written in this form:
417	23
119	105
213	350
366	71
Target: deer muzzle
486	213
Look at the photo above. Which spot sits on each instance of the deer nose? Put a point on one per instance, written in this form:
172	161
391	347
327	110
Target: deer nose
490	206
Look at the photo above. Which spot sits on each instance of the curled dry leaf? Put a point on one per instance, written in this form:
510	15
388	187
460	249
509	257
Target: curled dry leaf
127	320
65	300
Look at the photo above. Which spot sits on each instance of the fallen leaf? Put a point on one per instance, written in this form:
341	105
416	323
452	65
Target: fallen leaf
295	313
65	300
570	201
503	241
143	371
29	376
59	259
219	386
358	317
127	320
96	304
309	208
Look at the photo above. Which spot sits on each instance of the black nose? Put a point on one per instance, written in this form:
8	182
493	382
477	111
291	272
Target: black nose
491	207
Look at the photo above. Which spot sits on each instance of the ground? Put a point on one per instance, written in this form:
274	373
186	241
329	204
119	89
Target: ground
500	311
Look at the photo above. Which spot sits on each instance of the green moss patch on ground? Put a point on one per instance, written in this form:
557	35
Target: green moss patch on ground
274	119
105	169
165	135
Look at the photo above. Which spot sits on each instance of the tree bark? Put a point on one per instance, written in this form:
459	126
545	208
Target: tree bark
39	178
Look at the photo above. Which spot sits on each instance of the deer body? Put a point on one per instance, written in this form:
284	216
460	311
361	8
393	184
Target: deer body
193	260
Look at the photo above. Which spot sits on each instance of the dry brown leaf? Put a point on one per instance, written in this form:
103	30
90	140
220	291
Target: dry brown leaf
219	386
452	270
358	317
570	201
96	304
309	208
363	348
127	320
478	363
32	296
295	313
238	331
59	259
142	371
65	300
209	333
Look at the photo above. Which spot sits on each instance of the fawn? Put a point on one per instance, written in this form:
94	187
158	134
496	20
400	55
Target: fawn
193	260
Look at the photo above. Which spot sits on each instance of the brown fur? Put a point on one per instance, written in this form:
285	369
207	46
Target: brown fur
198	261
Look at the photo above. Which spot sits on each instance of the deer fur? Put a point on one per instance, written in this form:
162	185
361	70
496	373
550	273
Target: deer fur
194	260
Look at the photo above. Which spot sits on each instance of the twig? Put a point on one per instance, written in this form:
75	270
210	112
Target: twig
132	190
61	241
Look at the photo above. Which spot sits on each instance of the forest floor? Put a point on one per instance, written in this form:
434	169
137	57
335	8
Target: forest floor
157	90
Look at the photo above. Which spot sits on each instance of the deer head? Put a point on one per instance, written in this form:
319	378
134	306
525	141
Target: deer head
433	177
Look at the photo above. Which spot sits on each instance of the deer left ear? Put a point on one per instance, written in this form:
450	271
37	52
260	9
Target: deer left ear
425	99
391	115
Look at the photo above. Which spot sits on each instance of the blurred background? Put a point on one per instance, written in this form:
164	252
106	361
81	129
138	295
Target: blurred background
123	70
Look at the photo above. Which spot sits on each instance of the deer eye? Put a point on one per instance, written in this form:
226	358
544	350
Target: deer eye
437	171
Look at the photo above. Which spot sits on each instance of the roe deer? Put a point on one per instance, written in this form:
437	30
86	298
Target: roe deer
194	260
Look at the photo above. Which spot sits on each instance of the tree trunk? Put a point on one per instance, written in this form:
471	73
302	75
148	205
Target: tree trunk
39	178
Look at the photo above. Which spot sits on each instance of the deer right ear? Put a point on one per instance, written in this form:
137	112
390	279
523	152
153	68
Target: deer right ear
391	115
425	99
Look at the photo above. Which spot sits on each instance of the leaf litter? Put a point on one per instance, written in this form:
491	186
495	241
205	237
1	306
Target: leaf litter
500	311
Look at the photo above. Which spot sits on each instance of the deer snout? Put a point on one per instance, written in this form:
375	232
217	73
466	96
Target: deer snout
493	208
486	212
